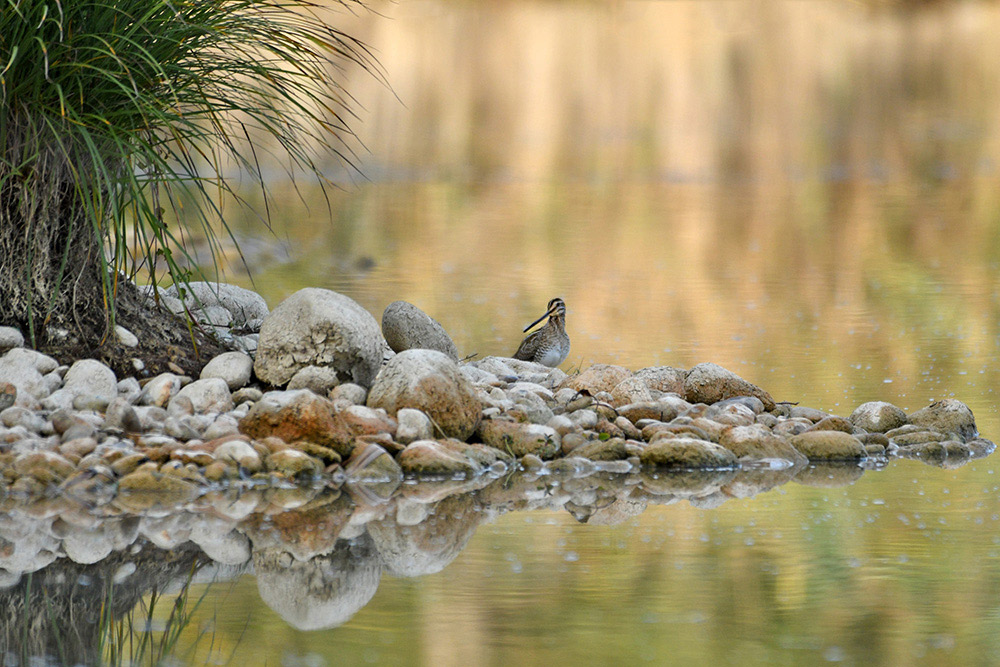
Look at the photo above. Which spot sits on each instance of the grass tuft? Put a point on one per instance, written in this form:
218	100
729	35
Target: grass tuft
113	111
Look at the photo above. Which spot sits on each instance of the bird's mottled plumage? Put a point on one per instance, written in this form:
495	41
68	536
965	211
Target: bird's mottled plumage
549	345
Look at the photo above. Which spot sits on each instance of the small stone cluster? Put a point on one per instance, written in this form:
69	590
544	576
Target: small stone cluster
357	405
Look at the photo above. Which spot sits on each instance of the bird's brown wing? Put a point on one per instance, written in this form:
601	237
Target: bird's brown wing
529	346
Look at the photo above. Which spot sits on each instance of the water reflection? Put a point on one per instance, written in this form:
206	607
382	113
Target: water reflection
73	575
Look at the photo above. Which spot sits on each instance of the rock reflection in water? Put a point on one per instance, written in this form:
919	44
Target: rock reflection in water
318	554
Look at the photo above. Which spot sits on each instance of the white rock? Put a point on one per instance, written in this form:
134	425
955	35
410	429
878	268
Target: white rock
59	400
10	337
123	572
126	337
129	389
318	327
585	419
562	424
239	452
413	425
208	395
167	532
238	507
233	367
478	375
160	390
223	426
53	381
24	368
527	371
536	389
532	404
318	379
89	376
353	393
18	416
151	417
173	304
323	592
42	362
247	343
411	512
30	551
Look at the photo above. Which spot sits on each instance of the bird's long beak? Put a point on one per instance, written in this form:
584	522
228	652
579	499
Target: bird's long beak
547	313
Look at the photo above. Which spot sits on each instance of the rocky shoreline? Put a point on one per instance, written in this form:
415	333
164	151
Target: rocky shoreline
315	394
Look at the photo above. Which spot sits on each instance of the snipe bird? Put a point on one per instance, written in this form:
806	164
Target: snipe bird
549	345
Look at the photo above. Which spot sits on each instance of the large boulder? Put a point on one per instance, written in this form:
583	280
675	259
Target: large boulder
406	327
947	416
429	381
318	327
711	383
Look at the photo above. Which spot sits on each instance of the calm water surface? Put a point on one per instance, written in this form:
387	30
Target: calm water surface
899	568
803	192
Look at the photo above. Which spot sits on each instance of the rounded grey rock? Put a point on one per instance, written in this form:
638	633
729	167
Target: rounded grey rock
232	367
317	379
406	327
160	389
947	416
877	417
129	389
318	327
208	395
413	425
24	369
350	392
89	376
9	338
126	337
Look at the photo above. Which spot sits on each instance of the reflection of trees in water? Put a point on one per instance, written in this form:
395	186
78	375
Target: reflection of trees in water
315	565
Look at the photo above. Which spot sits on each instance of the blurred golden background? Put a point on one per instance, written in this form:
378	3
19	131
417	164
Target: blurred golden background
804	191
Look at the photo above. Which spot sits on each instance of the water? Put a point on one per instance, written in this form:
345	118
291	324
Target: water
802	192
894	566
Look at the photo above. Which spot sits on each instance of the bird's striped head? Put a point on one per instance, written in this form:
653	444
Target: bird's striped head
555	309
